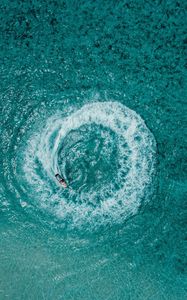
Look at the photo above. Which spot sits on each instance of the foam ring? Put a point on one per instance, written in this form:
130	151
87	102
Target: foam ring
120	137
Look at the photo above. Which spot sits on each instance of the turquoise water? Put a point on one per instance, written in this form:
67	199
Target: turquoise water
93	90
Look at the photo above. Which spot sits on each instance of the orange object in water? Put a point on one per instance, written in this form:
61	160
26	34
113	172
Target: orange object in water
61	180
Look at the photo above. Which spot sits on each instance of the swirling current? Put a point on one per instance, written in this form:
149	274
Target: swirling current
105	152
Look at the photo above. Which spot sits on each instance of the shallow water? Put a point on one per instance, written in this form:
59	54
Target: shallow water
94	91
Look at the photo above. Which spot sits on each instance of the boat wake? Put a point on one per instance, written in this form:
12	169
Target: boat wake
104	151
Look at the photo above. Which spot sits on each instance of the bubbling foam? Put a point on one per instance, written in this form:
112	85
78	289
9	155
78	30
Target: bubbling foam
106	154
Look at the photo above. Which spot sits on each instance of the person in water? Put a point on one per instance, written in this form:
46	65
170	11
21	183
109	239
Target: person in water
61	180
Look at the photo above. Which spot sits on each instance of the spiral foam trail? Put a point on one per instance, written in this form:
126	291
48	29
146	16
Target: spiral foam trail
106	154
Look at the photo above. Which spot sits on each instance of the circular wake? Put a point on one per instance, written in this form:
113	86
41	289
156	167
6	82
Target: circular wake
104	151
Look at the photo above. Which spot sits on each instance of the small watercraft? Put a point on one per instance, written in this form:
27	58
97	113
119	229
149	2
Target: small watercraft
61	180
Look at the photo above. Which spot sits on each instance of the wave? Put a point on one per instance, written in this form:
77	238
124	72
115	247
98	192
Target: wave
106	154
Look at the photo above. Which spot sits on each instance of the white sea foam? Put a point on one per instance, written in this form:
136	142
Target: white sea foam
135	155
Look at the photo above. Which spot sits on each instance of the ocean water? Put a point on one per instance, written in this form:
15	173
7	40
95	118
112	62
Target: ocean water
94	91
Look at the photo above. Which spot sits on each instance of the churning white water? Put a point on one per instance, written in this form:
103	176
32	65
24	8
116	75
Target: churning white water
106	154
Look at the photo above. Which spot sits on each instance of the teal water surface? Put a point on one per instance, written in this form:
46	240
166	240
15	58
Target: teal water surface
94	91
